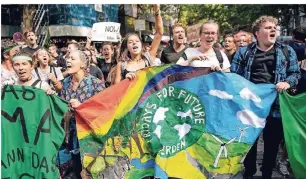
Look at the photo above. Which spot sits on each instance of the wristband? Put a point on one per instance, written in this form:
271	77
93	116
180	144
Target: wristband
157	13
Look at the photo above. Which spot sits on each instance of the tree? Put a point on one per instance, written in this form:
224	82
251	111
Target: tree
27	18
235	16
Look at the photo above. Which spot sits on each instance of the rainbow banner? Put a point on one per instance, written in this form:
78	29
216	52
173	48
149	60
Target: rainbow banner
172	121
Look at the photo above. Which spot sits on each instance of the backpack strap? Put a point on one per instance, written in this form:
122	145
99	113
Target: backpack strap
35	83
219	57
285	52
147	59
247	52
89	83
36	71
53	71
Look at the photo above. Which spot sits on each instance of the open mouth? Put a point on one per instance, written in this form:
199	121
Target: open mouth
272	35
181	38
22	73
209	41
69	65
135	48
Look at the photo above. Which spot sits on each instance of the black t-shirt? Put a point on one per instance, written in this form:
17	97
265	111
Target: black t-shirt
169	55
60	62
105	67
30	50
263	67
95	71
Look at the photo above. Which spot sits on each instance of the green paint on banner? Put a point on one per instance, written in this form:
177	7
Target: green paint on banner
31	132
293	110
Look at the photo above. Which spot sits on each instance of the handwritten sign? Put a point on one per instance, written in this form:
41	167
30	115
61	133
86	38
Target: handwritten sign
106	31
31	133
140	25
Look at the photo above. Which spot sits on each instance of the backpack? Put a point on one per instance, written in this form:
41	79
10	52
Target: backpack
51	67
89	83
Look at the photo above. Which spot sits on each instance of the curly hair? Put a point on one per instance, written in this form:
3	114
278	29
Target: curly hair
84	58
179	25
35	57
262	19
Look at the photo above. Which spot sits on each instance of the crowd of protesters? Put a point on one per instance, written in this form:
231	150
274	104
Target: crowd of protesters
78	72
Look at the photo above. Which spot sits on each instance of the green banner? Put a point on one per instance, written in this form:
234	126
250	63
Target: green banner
31	133
293	111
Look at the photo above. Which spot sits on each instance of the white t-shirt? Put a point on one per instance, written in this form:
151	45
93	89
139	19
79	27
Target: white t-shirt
41	84
7	77
43	74
212	59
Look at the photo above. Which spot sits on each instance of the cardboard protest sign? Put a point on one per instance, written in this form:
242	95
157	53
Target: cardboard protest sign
31	132
106	31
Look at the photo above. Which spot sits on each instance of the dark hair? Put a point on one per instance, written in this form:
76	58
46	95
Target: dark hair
108	43
228	35
2	55
52	45
299	33
123	47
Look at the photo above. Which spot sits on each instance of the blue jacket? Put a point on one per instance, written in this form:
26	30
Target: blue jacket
285	71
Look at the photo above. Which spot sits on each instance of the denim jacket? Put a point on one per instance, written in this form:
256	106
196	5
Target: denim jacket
285	71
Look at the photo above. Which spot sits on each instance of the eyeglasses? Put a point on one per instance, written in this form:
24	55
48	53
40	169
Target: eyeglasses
209	33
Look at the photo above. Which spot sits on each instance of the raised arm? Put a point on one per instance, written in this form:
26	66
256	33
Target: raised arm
159	32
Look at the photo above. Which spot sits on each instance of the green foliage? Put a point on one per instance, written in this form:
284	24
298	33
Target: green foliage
231	16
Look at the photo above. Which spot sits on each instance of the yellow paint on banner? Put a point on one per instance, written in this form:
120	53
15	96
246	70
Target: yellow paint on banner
178	166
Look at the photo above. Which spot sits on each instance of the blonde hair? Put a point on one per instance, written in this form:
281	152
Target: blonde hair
179	25
36	61
262	19
209	22
247	35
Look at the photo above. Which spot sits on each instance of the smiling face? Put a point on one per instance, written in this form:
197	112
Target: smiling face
134	45
31	38
178	35
75	63
209	35
266	33
23	68
43	57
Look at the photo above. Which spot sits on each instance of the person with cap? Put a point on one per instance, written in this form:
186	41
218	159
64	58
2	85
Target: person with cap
8	75
23	66
78	87
31	40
